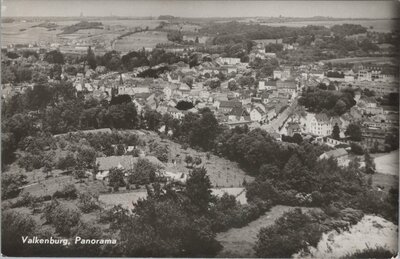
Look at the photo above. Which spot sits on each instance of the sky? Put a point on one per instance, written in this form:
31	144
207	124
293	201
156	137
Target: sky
187	8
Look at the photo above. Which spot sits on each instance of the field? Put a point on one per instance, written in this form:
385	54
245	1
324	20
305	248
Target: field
239	242
377	60
383	25
370	232
125	199
148	39
222	172
23	33
387	163
185	27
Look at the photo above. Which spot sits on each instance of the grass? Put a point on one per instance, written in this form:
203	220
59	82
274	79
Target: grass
384	181
140	40
125	199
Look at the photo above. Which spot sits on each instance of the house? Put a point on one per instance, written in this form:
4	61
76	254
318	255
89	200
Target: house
229	61
228	106
257	114
237	114
292	128
176	114
105	164
318	124
340	155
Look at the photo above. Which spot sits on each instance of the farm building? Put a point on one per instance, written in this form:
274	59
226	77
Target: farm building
340	155
105	164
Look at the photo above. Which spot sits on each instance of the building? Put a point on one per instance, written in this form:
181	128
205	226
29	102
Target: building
227	106
229	61
340	155
318	124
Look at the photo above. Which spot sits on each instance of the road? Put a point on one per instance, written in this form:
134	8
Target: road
273	126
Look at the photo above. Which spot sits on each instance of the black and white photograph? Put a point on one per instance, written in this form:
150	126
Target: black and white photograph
200	129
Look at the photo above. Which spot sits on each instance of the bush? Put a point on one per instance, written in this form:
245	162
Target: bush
356	149
25	200
15	225
88	202
66	162
11	184
291	233
63	218
378	252
69	191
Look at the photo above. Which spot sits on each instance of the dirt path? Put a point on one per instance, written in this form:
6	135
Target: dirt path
239	242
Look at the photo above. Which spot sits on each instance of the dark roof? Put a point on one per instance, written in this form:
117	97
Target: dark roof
230	104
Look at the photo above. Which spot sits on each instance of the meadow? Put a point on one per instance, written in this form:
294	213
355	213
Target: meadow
136	41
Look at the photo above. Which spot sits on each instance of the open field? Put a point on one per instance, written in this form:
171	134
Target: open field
125	199
385	181
147	39
23	33
384	25
370	232
387	163
376	60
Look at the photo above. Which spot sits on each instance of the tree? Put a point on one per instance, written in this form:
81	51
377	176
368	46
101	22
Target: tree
15	225
143	172
290	233
297	138
336	132
116	178
184	105
11	183
161	152
354	132
369	163
189	160
54	57
153	119
64	218
356	148
197	161
232	85
86	157
198	189
91	58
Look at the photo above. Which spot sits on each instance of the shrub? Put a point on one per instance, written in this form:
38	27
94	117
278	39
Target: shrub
67	192
291	233
11	184
88	202
63	218
25	200
66	162
15	225
378	252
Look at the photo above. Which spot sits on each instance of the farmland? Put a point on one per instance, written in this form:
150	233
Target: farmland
140	40
377	60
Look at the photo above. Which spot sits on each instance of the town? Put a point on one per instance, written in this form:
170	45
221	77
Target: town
101	117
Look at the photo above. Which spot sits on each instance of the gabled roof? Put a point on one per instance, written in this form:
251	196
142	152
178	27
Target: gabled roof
336	153
238	111
230	104
125	162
